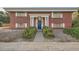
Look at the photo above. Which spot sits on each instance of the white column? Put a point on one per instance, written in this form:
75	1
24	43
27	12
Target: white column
31	21
47	21
36	23
42	22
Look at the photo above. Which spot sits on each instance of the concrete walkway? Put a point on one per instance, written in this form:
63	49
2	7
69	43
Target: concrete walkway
39	46
39	37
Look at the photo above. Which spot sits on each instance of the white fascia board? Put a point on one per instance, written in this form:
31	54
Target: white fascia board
40	10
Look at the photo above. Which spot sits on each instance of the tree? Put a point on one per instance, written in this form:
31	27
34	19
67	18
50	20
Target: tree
78	10
4	18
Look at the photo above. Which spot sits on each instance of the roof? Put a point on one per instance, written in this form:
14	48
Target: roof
41	9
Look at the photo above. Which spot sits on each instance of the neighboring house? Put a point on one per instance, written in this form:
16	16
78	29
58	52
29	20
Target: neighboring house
39	17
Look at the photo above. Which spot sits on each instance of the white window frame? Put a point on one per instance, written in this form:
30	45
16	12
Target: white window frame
61	15
21	12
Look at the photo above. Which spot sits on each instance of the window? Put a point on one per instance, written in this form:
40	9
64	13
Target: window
57	15
62	25
32	17
18	25
21	14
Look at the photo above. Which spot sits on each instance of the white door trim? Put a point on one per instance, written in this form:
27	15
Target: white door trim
36	15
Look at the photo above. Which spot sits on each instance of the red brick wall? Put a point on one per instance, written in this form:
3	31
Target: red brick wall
17	19
12	19
57	20
67	20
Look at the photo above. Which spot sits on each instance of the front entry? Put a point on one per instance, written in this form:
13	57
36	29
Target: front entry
39	20
39	24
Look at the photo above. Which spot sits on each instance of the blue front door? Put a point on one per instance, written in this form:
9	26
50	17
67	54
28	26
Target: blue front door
39	24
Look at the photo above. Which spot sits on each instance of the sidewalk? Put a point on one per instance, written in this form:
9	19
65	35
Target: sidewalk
39	46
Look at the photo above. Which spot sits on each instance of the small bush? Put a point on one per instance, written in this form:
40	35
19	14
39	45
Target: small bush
47	32
75	22
29	32
1	24
74	32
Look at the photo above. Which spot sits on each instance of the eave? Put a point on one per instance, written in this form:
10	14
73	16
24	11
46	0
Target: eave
42	9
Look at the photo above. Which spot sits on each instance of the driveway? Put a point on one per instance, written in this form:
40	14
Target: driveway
59	37
11	35
63	37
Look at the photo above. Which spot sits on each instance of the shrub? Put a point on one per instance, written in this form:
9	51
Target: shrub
75	22
67	31
47	32
74	32
29	33
1	24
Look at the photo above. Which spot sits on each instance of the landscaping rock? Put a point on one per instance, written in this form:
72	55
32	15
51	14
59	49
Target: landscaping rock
10	36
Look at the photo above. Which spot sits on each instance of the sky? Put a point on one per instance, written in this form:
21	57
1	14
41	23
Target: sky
39	3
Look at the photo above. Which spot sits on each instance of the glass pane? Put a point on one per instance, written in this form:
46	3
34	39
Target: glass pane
57	15
20	14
